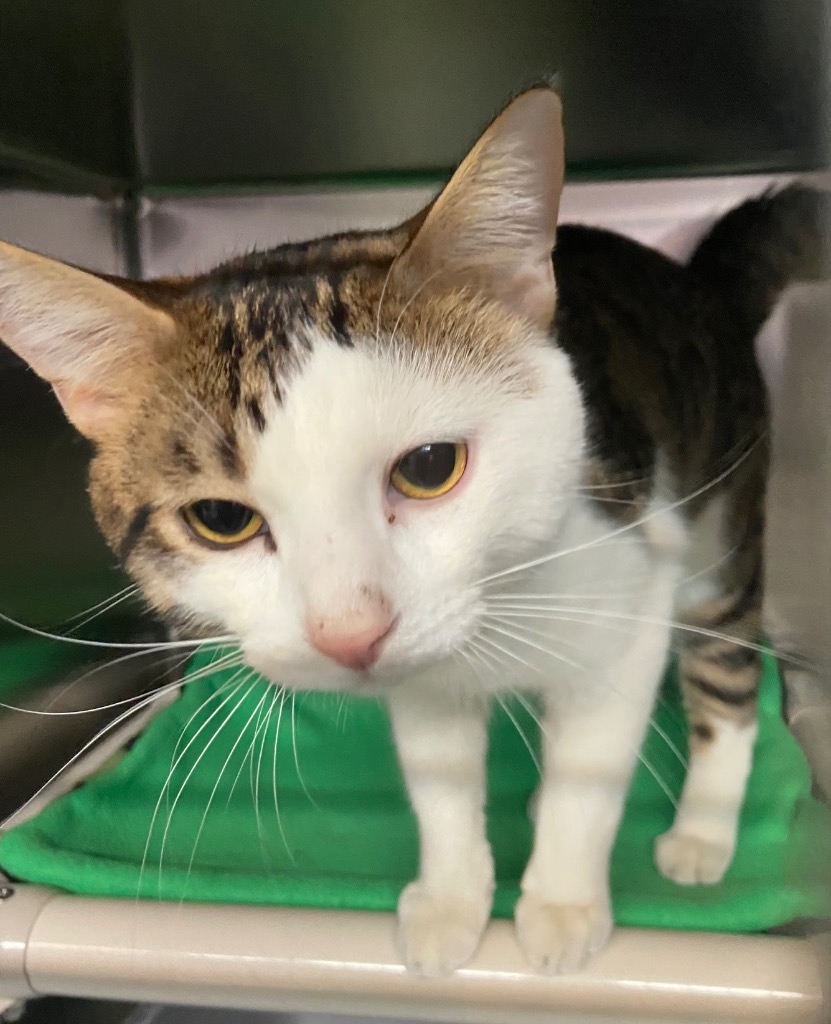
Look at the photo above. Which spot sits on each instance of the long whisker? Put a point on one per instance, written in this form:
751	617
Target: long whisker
630	482
492	660
599	595
45	713
194	766
258	771
640	755
656	776
508	653
303	785
222	770
509	620
521	732
670	744
129	589
172	771
80	641
279	817
248	758
218	694
118	720
487	624
588	615
466	654
647	517
107	607
232	660
608	540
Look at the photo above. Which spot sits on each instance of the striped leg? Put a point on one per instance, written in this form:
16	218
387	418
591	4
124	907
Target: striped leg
719	680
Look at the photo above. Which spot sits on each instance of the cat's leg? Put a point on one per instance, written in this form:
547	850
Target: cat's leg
590	750
442	747
719	680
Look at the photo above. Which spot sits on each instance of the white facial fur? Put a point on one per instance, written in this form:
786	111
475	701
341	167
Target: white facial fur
321	479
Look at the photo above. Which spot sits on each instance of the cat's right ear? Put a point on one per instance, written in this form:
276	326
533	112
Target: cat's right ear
493	226
87	337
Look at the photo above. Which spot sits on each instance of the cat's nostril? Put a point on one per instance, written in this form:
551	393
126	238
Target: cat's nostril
355	645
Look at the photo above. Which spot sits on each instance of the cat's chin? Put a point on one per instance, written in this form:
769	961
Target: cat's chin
373	683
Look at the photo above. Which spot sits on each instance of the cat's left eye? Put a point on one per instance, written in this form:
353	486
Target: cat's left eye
223	523
430	470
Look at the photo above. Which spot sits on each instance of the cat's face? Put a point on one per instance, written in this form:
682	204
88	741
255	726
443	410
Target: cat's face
323	450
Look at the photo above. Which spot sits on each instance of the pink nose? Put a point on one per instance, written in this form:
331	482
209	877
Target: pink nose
355	643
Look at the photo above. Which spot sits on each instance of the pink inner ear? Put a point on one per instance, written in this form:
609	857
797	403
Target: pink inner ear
534	293
91	409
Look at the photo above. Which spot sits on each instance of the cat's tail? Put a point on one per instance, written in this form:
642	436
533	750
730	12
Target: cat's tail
760	247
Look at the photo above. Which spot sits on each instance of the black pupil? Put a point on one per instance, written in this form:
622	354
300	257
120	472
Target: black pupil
430	465
223	517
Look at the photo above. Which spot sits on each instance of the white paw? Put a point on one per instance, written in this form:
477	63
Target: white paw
436	933
559	938
689	860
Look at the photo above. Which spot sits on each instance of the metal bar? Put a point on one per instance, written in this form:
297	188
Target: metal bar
345	961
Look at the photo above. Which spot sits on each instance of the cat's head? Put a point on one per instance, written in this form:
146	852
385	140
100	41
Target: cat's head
323	449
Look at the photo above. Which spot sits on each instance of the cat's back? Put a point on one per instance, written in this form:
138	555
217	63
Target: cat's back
664	375
613	291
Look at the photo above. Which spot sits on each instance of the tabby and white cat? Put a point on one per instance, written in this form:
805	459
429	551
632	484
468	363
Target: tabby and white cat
406	463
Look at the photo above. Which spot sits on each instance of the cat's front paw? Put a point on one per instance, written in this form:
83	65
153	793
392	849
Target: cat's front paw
439	933
558	938
690	860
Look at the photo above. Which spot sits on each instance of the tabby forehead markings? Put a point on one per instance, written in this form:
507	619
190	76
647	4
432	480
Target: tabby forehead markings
255	412
339	312
229	455
184	456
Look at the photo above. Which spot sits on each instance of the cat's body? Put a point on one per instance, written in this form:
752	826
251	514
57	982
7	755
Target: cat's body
381	463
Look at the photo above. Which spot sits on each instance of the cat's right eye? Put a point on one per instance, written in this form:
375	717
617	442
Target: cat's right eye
223	523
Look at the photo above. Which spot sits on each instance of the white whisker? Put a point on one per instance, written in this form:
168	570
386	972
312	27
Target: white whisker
531	643
589	615
303	785
172	770
670	744
139	706
126	591
286	847
190	773
508	653
656	776
509	620
80	641
107	607
647	517
222	770
521	732
258	771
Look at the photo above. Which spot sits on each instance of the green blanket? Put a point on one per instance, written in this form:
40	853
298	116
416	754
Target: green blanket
215	802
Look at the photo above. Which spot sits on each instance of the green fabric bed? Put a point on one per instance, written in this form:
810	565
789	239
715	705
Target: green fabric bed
345	835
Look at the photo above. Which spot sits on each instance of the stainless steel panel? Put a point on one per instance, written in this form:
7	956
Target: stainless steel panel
80	229
51	557
255	91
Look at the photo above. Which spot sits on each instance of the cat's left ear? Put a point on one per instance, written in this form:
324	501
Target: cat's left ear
493	226
90	339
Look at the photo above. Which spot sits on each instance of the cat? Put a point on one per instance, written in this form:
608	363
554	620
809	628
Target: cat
433	464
